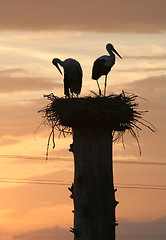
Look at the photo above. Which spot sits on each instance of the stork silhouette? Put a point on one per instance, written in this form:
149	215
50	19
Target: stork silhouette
102	65
72	75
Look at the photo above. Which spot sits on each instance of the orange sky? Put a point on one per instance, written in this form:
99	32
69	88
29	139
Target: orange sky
32	33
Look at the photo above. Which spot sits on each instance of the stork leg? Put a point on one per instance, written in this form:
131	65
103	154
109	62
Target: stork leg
105	85
98	87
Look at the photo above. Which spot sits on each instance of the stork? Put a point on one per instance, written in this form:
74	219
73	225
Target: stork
102	65
72	75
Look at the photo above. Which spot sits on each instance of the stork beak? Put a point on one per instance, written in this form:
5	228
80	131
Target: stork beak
55	62
56	65
116	53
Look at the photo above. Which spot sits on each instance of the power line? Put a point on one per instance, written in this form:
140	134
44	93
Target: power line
140	163
23	157
145	188
68	159
141	184
67	183
35	181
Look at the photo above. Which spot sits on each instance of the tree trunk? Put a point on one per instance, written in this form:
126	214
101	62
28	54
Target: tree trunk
93	190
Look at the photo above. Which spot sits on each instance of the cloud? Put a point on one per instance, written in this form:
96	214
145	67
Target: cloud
8	72
125	231
153	89
27	199
150	88
30	206
156	57
5	235
144	231
45	35
153	147
55	233
8	141
104	16
129	70
9	83
19	119
22	118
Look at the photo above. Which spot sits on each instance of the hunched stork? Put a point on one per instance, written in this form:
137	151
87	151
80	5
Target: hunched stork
72	75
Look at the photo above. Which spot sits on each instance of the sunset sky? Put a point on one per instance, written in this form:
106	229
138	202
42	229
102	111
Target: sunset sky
34	199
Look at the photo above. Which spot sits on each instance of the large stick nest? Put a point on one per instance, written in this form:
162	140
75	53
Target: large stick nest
116	112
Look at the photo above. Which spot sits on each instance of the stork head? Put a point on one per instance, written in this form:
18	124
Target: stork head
110	48
55	61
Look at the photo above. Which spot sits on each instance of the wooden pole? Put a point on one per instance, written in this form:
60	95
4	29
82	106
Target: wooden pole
93	190
91	119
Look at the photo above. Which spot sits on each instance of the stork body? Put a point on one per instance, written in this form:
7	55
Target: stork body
102	65
72	75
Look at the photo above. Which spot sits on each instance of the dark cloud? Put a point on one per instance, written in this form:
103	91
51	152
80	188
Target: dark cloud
105	16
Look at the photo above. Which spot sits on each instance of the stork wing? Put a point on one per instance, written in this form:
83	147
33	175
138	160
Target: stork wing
76	79
99	68
73	73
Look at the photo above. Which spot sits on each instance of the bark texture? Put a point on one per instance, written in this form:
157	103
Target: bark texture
93	190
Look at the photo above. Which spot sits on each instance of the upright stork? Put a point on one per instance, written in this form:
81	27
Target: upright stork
72	75
102	65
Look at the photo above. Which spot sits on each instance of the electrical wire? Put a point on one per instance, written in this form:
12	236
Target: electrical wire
67	183
68	159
